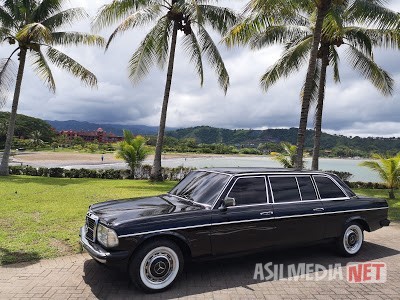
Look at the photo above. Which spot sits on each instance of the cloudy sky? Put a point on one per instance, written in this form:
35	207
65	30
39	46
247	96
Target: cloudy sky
353	107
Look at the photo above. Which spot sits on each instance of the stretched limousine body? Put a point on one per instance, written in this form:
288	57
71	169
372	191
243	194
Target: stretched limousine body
227	211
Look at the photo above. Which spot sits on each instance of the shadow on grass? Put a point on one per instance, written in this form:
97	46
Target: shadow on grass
18	259
209	276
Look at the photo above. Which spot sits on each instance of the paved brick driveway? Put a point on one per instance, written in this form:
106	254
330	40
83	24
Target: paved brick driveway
79	277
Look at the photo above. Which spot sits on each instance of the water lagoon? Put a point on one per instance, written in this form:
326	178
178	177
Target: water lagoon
345	165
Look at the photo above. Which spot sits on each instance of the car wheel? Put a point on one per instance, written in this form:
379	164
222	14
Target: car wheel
155	266
351	240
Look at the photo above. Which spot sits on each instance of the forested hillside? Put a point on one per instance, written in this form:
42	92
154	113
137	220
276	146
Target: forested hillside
24	127
210	135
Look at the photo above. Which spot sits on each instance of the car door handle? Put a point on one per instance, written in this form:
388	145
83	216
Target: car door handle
318	209
266	213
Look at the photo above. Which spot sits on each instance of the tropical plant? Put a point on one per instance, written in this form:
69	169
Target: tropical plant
341	26
170	16
388	170
36	28
288	158
36	139
133	150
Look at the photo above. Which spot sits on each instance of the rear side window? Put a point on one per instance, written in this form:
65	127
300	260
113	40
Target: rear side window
250	190
284	189
327	188
306	188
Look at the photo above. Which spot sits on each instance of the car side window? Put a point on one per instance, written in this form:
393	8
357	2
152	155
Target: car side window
284	189
249	190
306	188
327	188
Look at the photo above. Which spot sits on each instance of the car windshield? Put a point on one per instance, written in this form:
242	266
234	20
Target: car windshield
201	186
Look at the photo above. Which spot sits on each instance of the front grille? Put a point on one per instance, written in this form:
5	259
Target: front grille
91	226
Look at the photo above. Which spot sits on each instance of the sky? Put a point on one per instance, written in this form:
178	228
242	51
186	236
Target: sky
352	107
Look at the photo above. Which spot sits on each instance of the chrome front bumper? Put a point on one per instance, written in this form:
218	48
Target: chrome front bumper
94	250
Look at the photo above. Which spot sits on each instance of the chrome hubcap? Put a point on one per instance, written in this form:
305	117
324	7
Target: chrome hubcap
353	239
159	268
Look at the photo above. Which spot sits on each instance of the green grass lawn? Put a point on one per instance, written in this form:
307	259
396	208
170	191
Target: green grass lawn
394	211
40	217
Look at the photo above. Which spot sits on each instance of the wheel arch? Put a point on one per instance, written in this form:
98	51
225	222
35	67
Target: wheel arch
178	239
360	220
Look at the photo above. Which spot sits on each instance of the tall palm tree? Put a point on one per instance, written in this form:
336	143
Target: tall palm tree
169	16
35	27
388	170
338	29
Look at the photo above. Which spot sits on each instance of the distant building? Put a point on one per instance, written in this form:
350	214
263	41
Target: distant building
91	136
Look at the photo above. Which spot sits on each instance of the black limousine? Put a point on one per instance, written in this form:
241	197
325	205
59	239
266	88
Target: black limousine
216	212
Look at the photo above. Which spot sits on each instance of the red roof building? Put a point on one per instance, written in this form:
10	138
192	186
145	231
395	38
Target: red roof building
99	135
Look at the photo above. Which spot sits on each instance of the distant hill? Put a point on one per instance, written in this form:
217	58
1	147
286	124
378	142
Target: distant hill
114	128
24	126
249	137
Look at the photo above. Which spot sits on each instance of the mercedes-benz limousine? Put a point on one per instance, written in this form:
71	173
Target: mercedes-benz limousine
216	212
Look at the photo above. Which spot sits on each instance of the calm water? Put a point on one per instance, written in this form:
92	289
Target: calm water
348	165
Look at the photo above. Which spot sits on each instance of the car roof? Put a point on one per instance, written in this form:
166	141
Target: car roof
241	171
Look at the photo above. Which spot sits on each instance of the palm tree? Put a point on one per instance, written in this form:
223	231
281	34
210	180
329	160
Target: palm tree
388	170
133	150
169	16
288	158
338	29
35	27
36	139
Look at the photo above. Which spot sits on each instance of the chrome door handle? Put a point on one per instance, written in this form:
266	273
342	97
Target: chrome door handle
267	213
318	209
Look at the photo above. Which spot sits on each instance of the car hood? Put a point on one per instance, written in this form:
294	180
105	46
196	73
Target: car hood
120	211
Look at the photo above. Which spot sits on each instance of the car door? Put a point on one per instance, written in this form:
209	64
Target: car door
335	202
298	212
249	225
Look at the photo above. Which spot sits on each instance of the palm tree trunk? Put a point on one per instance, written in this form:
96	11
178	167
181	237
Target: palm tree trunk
305	106
156	174
391	194
11	126
320	107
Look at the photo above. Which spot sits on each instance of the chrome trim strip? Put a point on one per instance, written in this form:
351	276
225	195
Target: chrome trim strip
247	221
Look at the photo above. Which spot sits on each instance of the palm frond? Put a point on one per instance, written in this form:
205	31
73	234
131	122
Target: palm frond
117	10
218	18
34	32
77	38
372	13
65	62
210	50
370	70
291	60
334	62
66	17
7	20
139	18
278	35
358	39
192	47
4	33
8	71
333	23
45	9
148	52
42	69
274	8
387	38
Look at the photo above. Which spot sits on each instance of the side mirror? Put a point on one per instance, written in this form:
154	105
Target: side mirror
229	201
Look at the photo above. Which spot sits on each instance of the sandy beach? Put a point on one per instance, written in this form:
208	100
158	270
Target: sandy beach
88	158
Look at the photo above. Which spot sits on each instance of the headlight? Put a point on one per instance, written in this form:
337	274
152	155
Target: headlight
106	236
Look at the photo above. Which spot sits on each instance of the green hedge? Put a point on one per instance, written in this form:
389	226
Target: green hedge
141	173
